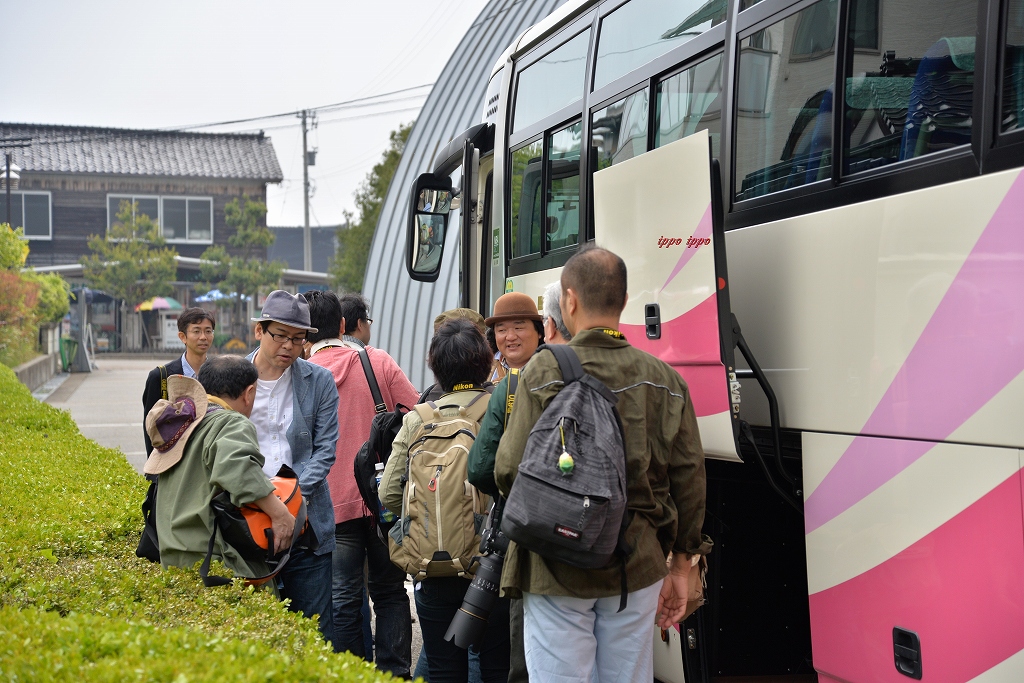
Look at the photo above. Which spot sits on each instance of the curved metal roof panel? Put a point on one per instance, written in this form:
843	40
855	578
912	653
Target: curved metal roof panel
404	310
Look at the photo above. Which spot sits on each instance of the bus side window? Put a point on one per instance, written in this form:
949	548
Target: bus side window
913	93
563	194
784	103
525	199
1013	69
690	101
619	130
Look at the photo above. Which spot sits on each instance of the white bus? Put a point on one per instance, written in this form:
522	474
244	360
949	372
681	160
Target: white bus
862	218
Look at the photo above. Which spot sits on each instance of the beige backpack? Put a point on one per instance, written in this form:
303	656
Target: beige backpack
442	513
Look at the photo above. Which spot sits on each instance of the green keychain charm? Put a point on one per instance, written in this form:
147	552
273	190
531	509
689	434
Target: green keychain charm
565	461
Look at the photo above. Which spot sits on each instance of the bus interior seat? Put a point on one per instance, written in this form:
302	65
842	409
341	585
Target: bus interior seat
941	99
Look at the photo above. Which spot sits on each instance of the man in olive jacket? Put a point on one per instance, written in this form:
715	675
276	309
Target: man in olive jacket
573	630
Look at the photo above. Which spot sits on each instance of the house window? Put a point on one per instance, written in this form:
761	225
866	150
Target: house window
181	219
150	206
31	211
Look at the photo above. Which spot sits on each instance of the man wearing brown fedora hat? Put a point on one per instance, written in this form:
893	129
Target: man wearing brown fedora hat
203	444
517	329
296	418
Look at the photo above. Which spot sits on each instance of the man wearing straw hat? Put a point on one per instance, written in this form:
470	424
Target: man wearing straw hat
296	418
203	444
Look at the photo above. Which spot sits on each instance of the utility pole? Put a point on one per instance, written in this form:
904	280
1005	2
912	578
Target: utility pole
307	242
6	144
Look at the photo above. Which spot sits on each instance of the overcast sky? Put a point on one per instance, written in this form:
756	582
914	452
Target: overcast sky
157	65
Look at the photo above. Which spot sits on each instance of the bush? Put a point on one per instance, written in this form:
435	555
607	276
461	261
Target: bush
77	605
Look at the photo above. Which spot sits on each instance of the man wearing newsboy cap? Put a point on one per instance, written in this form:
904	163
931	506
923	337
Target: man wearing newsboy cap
296	418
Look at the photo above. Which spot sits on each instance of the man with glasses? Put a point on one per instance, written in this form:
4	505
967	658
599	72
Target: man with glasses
296	418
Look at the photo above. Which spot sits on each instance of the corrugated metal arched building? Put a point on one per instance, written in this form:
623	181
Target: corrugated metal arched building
403	310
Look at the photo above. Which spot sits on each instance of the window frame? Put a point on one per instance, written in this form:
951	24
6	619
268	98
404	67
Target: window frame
546	258
536	54
49	201
160	200
132	198
187	239
930	170
773	13
1002	150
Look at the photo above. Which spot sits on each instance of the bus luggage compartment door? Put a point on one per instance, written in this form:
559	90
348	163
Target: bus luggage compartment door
912	537
657	212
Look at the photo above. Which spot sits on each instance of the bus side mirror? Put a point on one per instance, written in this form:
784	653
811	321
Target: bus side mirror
431	201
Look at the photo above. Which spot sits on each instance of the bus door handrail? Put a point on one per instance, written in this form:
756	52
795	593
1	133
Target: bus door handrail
773	411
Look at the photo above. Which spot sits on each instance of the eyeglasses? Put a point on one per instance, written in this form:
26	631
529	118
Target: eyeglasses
369	320
282	338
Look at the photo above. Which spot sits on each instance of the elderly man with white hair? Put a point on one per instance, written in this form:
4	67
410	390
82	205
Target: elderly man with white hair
555	331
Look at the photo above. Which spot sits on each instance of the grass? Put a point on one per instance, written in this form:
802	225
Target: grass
77	605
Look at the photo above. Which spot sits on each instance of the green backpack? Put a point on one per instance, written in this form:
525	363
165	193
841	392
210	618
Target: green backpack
442	513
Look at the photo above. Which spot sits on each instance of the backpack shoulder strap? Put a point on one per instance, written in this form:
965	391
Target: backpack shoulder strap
163	382
572	371
476	409
425	411
568	362
378	401
510	395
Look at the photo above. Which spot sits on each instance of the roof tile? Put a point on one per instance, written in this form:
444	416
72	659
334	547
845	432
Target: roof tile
79	149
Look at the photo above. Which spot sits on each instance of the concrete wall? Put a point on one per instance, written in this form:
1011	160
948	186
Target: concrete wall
38	371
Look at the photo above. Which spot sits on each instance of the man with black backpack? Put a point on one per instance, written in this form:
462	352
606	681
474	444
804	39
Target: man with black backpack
369	382
595	624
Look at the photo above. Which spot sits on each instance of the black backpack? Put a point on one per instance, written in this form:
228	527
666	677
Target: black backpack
149	543
568	501
377	449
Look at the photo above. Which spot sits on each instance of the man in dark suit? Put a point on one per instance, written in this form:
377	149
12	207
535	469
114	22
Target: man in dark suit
195	330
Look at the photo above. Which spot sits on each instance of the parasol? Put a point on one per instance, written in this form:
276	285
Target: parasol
159	303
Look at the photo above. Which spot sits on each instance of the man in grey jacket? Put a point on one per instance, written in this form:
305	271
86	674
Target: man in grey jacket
296	418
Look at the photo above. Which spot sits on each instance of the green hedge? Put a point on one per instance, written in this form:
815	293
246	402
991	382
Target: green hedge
77	605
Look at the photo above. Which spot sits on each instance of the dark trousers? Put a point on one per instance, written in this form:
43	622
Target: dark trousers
356	546
437	601
517	657
306	581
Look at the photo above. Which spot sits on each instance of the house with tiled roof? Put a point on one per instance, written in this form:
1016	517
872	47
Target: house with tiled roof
73	180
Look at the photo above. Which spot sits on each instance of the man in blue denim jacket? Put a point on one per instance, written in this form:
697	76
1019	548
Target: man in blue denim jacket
296	418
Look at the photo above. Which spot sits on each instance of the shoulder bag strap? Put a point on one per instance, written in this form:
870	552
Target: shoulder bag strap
378	401
510	395
163	382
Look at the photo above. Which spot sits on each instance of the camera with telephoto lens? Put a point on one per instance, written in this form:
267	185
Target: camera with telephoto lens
467	628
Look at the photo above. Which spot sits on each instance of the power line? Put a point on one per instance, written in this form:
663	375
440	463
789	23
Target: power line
346	104
330	121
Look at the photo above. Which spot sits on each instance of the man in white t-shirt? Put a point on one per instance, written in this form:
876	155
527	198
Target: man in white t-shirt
296	418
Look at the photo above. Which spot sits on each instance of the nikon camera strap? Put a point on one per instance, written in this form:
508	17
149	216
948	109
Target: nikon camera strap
510	396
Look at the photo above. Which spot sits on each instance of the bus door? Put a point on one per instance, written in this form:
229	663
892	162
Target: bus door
451	198
661	212
656	212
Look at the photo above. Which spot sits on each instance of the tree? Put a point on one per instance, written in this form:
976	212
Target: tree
246	273
131	261
28	299
354	240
